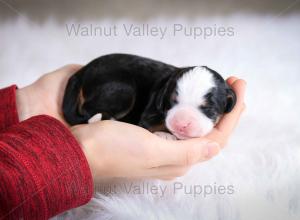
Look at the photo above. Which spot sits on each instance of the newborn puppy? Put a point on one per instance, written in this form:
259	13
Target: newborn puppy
186	101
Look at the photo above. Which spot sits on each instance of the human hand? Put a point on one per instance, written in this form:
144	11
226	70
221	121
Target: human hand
222	131
134	152
45	95
116	149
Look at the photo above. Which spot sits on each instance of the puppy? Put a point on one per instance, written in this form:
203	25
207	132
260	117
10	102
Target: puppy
187	101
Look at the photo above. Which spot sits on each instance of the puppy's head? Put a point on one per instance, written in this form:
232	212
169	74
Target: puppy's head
193	101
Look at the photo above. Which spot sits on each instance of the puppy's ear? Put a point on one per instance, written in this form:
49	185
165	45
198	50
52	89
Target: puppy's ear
151	115
230	100
160	99
154	111
73	101
163	96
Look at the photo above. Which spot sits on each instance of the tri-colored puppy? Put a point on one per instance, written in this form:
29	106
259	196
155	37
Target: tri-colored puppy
185	101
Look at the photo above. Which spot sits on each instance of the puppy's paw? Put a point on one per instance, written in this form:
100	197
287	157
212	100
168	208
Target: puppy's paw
165	135
95	118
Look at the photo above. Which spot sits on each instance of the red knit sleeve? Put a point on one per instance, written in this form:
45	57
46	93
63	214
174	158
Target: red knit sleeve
8	109
43	170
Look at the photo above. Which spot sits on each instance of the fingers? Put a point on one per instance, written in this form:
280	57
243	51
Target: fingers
168	172
181	153
59	75
229	121
62	72
165	178
231	80
70	68
191	151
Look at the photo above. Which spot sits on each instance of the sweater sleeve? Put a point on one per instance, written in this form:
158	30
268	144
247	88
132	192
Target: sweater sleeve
8	109
43	170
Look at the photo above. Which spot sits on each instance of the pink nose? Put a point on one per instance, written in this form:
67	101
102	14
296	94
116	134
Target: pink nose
181	125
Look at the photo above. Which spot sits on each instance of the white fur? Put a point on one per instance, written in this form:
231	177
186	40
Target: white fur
201	123
193	86
97	117
165	135
262	159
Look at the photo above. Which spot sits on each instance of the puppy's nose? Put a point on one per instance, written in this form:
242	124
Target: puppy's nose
181	125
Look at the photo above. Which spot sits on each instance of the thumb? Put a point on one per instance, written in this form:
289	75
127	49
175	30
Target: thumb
69	68
183	152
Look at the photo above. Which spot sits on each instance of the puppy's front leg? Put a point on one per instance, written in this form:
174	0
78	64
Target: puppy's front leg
165	135
95	118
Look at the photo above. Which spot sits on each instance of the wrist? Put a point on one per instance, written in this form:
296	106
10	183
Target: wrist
28	102
80	132
22	103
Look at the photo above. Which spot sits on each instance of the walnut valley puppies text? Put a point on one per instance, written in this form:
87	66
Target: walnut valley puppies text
162	190
147	30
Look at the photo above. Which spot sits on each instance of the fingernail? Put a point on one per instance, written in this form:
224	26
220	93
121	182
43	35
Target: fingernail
211	149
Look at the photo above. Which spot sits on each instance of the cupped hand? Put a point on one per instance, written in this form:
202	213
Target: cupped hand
116	149
45	95
228	122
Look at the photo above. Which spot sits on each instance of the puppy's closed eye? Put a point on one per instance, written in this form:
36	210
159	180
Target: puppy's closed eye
209	111
231	100
173	98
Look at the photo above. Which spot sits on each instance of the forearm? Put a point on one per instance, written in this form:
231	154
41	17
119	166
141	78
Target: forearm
43	170
18	104
27	102
8	108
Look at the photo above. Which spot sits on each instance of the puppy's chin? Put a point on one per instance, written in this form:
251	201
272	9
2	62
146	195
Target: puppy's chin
187	121
185	137
181	137
199	128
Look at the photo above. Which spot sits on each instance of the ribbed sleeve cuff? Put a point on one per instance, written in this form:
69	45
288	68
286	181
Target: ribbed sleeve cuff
48	172
8	108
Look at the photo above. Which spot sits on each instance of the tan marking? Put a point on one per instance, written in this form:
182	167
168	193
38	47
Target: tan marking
159	127
81	100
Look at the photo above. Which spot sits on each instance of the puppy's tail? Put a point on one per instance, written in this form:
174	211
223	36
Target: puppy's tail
71	102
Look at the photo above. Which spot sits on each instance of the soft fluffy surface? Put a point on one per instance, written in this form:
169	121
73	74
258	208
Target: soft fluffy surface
262	161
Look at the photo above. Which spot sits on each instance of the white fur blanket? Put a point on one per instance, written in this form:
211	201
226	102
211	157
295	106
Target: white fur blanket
257	176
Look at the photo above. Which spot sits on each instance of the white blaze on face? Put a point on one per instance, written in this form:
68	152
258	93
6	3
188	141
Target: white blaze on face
185	119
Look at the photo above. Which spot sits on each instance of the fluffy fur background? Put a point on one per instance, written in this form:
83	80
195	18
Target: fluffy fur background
262	160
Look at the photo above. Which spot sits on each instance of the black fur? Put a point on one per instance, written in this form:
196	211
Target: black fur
135	90
221	99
